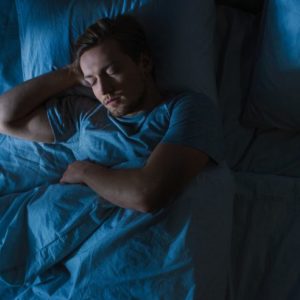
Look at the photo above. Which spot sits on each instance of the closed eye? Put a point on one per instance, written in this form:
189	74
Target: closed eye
90	81
112	70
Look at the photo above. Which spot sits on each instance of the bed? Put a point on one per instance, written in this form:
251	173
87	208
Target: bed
257	72
231	234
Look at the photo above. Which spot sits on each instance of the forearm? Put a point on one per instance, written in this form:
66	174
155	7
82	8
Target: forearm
125	188
26	97
128	188
168	170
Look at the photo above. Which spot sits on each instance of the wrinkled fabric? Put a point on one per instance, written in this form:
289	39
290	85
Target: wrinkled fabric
92	133
64	242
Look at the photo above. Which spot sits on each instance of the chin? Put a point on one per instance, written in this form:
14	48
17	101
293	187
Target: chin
117	113
122	110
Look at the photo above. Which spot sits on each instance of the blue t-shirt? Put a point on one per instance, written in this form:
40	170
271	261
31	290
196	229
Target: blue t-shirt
93	134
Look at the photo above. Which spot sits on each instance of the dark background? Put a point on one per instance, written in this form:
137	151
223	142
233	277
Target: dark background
253	6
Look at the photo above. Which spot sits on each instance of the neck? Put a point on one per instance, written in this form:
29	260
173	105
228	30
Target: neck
152	96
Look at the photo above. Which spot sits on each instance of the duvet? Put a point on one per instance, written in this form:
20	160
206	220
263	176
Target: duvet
62	241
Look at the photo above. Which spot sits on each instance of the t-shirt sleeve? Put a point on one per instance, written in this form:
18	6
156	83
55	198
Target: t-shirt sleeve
195	122
66	115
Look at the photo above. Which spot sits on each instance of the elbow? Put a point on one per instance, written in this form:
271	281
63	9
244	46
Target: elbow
149	203
3	126
7	110
146	208
141	204
149	195
4	115
5	118
6	125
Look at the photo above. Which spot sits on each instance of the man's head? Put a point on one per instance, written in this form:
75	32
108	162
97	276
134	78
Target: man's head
114	58
124	29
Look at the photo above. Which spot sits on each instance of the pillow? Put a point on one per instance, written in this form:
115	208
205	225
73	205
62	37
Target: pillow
181	36
235	44
274	97
10	55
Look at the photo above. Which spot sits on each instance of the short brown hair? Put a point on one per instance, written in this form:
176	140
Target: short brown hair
124	29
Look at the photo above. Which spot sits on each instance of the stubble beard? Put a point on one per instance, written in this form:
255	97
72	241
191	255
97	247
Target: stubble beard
131	107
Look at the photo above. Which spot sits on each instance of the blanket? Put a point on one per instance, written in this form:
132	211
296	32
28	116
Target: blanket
63	241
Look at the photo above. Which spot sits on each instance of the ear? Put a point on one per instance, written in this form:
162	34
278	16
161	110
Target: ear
145	63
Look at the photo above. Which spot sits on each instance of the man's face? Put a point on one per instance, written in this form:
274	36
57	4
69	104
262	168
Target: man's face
117	81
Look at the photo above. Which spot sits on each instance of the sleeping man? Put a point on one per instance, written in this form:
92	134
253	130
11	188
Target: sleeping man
169	138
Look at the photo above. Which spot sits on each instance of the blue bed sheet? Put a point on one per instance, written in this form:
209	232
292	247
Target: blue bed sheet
266	246
62	241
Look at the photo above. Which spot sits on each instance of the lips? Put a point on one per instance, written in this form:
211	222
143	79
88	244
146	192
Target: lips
111	100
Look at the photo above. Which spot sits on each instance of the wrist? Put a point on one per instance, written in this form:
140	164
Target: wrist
83	170
72	75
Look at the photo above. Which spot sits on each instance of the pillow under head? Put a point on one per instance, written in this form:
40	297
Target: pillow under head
179	33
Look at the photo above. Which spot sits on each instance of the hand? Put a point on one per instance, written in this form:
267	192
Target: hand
75	172
74	71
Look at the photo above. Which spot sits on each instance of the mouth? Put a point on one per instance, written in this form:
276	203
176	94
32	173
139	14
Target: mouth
113	100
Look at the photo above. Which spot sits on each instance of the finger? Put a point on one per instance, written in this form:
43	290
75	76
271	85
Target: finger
63	179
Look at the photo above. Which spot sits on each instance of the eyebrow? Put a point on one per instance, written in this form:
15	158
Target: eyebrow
104	68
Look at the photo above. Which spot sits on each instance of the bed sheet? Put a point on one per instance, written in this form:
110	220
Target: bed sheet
266	246
61	241
266	220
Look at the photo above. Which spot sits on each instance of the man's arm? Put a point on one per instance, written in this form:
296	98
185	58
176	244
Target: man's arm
169	168
21	111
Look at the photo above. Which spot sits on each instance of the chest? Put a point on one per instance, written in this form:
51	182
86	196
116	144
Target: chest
111	141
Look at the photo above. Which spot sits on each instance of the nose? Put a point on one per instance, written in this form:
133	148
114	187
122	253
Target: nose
104	86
